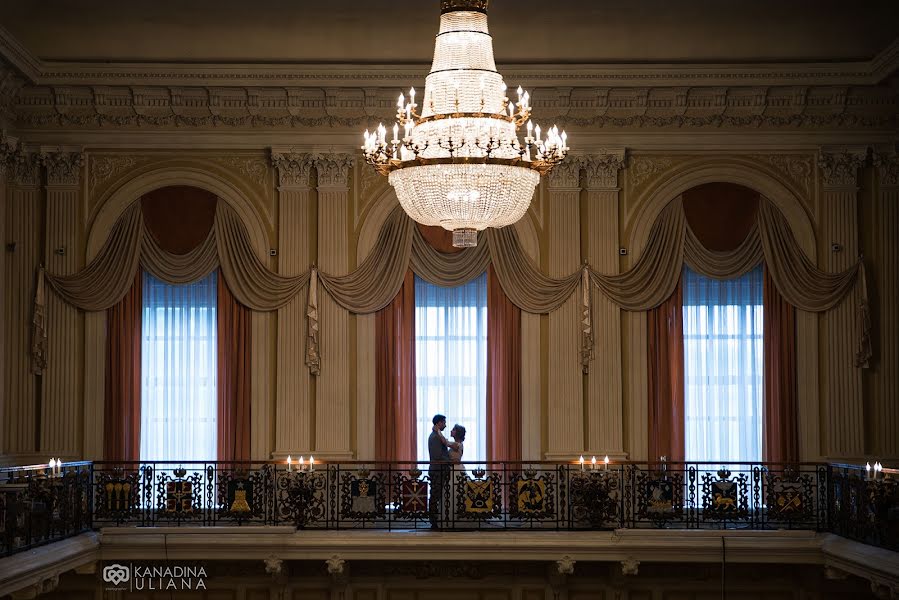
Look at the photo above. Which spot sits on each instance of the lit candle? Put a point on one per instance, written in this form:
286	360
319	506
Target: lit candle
582	462
399	102
302	466
593	463
867	470
530	128
396	132
511	108
52	465
311	463
412	96
606	462
564	140
289	468
878	470
537	132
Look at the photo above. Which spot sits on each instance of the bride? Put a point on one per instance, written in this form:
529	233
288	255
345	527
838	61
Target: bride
456	449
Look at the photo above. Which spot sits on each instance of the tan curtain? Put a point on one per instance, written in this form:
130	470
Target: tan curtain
248	278
503	373
123	376
234	368
178	269
107	278
665	370
395	409
522	281
653	278
375	283
447	269
781	415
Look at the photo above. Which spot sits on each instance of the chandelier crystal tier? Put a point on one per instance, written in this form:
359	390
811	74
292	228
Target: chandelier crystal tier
459	163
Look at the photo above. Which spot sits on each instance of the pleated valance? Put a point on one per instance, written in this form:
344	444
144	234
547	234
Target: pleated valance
401	246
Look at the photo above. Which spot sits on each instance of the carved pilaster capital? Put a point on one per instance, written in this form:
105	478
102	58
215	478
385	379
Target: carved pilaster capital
25	168
566	175
294	168
333	169
8	147
602	169
887	164
63	168
839	167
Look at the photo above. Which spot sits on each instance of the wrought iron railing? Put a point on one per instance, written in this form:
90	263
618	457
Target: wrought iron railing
39	505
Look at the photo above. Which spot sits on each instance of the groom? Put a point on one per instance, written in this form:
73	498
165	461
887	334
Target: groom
438	470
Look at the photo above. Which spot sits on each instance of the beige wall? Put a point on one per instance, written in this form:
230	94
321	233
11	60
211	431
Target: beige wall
325	215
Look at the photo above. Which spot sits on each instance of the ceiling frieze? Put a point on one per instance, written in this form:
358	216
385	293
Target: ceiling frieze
156	107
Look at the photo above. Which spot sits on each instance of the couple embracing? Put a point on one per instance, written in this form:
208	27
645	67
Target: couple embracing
443	455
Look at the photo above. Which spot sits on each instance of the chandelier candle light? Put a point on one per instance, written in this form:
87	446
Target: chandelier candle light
459	163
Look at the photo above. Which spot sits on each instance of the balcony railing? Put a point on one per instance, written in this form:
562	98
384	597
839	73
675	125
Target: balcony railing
39	505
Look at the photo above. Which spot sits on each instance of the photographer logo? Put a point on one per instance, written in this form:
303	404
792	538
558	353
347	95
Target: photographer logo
116	574
134	577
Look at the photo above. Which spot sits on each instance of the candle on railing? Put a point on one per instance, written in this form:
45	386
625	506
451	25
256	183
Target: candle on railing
59	467
606	462
312	458
289	467
867	470
302	464
593	464
51	466
582	462
878	470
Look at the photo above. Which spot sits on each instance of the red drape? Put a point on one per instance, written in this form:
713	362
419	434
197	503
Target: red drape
503	373
665	365
123	373
234	327
395	418
781	426
179	217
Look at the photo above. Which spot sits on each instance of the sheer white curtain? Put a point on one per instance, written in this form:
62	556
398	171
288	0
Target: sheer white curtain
178	371
723	367
451	362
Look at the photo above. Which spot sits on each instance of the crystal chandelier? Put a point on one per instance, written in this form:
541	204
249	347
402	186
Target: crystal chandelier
459	163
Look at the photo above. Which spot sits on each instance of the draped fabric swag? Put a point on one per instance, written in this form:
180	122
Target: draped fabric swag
400	246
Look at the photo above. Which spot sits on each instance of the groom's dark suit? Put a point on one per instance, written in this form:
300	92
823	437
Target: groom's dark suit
438	454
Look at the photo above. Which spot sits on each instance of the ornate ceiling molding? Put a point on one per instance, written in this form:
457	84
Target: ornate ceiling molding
157	107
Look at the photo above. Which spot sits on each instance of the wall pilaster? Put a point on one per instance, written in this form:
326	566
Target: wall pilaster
604	414
7	150
843	422
565	410
333	401
61	399
22	257
296	229
883	376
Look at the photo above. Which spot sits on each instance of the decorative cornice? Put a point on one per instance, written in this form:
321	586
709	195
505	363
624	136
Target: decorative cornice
351	107
333	169
103	168
566	176
294	168
887	164
602	169
839	168
63	168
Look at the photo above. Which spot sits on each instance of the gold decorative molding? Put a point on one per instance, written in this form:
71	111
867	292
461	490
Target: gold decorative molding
255	170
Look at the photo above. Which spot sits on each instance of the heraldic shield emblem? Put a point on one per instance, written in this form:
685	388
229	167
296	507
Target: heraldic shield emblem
363	493
179	496
240	496
414	497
